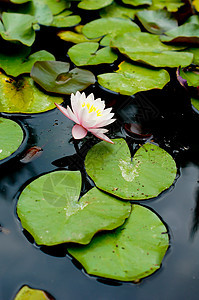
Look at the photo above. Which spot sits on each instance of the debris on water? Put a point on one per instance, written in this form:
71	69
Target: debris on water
31	154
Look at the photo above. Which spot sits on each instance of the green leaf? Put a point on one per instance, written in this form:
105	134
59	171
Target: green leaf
170	5
55	77
130	79
57	7
157	21
137	2
195	52
49	209
12	136
117	11
195	103
108	27
109	165
191	75
90	4
22	96
26	293
20	62
74	37
66	20
88	54
19	1
18	27
186	33
146	48
129	253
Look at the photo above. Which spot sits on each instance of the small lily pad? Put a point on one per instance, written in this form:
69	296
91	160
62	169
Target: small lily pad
157	21
55	77
191	75
195	103
22	96
11	136
130	79
129	253
26	293
21	62
74	37
108	27
92	5
117	11
88	54
137	2
147	48
65	19
186	33
18	27
170	5
152	170
49	209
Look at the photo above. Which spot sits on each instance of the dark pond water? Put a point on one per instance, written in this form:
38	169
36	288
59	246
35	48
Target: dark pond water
169	117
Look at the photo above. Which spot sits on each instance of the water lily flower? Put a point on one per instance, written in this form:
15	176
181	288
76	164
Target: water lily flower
89	114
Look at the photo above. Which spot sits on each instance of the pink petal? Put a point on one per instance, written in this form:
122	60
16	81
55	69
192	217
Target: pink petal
78	132
99	134
67	112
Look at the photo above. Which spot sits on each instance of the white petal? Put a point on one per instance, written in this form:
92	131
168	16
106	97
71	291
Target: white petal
67	112
105	122
72	116
98	133
78	132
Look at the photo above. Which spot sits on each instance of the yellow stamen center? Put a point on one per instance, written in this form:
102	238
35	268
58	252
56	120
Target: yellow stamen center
92	108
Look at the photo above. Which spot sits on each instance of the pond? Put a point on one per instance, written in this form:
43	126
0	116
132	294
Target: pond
162	116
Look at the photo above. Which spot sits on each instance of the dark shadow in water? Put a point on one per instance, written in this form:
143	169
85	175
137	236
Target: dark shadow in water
195	221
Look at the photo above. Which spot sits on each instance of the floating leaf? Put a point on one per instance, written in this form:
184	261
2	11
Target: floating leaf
74	37
117	11
18	27
22	96
137	2
20	62
152	170
196	4
146	48
195	103
108	27
66	20
191	75
11	136
157	21
31	154
186	33
130	79
129	253
57	7
88	54
19	1
54	76
195	52
49	209
90	4
170	5
26	293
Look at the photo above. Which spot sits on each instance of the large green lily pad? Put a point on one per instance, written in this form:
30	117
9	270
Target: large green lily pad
108	27
90	4
11	136
22	96
130	79
20	61
157	21
55	77
49	209
129	253
117	11
146	48
109	165
186	33
18	27
88	54
195	52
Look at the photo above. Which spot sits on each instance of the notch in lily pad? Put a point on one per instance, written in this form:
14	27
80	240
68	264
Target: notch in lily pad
55	77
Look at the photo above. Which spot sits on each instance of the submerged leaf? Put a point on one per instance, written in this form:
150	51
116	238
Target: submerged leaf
49	209
129	253
55	77
12	136
130	79
152	170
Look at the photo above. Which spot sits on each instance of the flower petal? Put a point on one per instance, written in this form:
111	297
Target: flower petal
78	132
99	133
67	112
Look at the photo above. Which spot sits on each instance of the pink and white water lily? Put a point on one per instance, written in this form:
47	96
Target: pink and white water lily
89	114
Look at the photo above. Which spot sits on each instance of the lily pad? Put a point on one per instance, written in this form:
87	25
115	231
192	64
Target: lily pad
90	4
137	2
19	1
186	33
18	27
26	293
88	54
49	209
65	19
129	253
117	11
170	5
22	96
196	4
12	136
152	170
191	75
157	21
20	62
108	27
195	52
55	77
147	48
130	79
195	103
74	37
